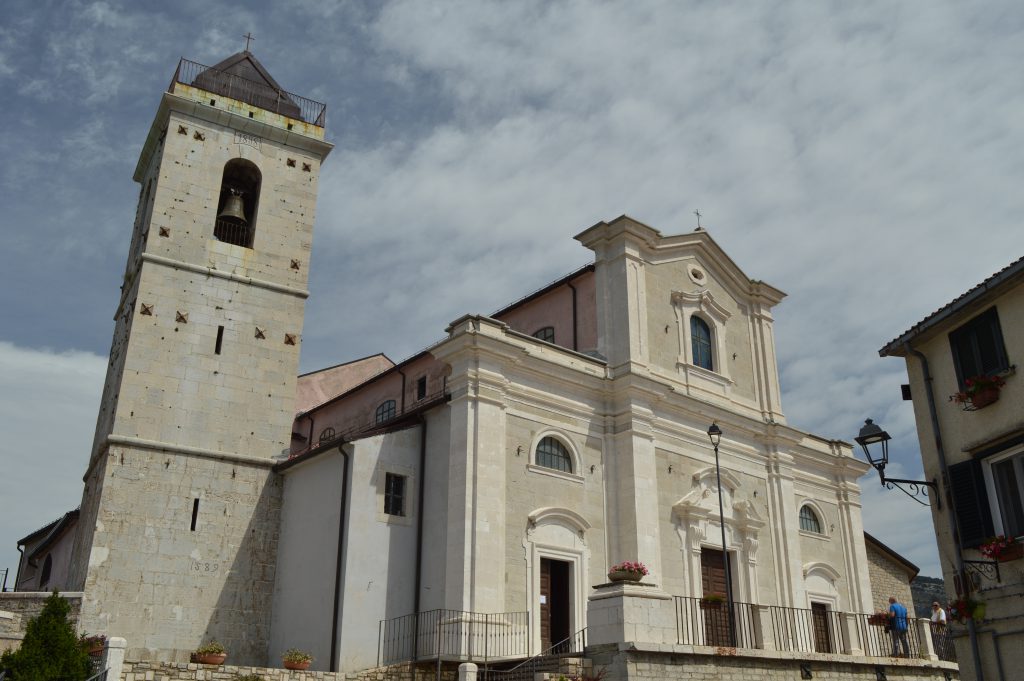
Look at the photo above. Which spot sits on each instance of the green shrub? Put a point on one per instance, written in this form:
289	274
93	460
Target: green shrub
50	650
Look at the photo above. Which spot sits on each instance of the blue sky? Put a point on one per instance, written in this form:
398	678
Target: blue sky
863	157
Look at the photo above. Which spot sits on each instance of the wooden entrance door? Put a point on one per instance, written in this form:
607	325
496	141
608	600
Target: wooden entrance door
819	622
716	615
555	601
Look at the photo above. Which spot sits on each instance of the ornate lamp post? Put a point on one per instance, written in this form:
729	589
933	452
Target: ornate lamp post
715	435
871	434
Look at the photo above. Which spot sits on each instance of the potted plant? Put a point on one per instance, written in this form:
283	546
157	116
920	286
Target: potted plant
1002	548
979	391
879	619
967	608
712	601
210	653
294	658
627	571
94	644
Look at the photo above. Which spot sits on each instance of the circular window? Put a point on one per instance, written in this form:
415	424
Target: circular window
696	274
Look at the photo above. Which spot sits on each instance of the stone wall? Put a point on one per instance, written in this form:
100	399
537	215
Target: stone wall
165	671
661	663
888	578
18	607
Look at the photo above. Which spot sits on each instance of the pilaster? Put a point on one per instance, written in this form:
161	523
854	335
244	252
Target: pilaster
476	486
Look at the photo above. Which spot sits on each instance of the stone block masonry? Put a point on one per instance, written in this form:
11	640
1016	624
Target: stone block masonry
661	662
18	607
165	671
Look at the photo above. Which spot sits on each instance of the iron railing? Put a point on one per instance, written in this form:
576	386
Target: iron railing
807	630
453	635
3	585
878	642
99	676
253	92
551	660
233	233
704	622
942	641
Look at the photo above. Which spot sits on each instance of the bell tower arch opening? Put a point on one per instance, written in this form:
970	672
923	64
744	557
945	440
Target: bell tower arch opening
238	203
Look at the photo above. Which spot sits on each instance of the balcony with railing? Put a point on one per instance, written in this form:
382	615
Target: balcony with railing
256	93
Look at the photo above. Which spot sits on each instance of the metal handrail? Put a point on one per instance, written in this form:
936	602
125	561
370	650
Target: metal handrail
572	646
706	622
252	92
805	630
444	634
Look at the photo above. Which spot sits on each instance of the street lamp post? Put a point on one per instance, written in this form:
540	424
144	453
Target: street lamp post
715	435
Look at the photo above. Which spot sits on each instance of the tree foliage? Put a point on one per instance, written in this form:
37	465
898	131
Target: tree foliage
50	650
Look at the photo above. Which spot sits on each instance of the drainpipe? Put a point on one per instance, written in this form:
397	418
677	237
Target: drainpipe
401	409
574	343
339	569
953	525
309	444
419	535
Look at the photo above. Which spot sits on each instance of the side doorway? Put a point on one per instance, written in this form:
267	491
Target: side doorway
555	603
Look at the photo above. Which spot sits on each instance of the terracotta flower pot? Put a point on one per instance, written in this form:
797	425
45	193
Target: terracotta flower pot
209	658
296	665
624	576
985	397
95	649
1014	551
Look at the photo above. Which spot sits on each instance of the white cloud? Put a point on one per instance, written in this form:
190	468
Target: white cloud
48	406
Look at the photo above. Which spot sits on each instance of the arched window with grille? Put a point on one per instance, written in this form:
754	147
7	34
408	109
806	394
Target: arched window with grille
809	520
385	411
326	435
553	454
700	338
546	334
238	203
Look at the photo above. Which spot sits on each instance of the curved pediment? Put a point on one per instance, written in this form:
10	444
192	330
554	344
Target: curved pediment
558	516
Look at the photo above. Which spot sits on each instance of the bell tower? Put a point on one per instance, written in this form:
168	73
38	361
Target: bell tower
179	519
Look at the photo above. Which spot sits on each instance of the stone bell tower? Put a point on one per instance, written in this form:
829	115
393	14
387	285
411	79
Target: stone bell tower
179	520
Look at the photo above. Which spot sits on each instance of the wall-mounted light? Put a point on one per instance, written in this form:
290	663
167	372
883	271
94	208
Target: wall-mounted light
872	434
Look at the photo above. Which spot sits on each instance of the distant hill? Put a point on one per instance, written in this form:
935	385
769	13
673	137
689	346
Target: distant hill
925	591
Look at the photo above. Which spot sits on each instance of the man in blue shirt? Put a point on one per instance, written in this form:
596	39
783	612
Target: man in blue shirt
898	628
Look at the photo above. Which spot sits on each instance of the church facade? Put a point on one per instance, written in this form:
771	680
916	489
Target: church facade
495	476
506	468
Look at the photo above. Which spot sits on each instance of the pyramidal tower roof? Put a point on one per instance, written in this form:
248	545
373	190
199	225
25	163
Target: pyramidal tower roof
243	78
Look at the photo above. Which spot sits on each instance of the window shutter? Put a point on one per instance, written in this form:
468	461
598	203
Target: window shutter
970	498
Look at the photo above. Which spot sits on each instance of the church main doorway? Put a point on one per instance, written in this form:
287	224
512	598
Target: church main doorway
716	614
555	603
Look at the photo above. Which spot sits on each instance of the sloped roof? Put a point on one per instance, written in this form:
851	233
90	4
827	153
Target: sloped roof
1003	277
241	76
50	531
911	569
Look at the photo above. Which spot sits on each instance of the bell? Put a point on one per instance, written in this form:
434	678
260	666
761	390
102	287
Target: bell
234	209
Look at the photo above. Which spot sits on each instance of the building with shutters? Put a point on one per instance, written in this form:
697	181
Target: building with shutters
972	441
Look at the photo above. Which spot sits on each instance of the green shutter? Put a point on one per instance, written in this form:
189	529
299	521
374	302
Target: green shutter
970	498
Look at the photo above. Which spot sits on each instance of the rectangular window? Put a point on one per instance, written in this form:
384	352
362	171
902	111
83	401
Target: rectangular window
195	513
1004	476
394	494
220	340
978	348
421	387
